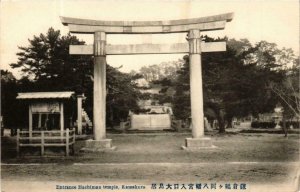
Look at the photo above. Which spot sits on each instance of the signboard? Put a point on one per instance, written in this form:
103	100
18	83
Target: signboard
50	107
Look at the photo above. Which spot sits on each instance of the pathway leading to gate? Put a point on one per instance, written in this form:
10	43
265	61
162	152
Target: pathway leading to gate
148	158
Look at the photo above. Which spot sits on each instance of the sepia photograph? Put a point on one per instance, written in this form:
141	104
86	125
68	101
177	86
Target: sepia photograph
150	95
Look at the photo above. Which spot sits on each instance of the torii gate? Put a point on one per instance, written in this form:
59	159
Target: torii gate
100	49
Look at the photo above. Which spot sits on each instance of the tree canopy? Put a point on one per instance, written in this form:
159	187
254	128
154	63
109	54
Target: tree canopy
235	82
47	62
245	79
47	66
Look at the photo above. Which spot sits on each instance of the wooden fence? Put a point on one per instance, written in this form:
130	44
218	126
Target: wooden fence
44	139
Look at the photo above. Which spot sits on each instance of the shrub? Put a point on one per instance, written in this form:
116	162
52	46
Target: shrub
255	124
263	124
295	124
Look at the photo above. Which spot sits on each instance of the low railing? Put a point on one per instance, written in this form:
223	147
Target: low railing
46	139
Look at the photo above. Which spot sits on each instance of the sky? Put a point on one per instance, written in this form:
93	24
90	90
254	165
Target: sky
275	21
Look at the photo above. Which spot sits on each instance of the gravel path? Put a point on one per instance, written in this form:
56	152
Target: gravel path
265	160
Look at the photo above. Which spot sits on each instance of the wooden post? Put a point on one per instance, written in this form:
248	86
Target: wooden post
67	142
62	116
18	142
30	121
99	86
79	114
42	143
122	125
40	120
196	84
61	120
71	122
73	146
179	125
46	121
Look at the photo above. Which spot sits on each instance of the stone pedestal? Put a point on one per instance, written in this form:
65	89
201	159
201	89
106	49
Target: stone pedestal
98	146
197	144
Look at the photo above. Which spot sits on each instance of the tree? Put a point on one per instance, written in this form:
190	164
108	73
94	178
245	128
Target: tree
122	95
164	70
162	77
10	107
287	93
47	66
268	55
181	101
235	82
47	62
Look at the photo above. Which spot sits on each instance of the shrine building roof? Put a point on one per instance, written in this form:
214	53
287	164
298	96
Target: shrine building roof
45	95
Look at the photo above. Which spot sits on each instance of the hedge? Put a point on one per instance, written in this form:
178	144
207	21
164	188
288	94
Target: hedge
261	124
295	124
271	125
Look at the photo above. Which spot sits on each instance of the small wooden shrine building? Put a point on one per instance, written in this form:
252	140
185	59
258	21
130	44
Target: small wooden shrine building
49	110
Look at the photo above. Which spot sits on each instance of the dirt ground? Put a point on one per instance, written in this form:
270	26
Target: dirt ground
255	159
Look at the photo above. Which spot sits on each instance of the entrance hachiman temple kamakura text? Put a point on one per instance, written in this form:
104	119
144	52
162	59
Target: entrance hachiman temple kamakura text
194	48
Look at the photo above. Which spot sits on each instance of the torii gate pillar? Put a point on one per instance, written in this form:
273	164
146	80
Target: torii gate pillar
100	141
196	92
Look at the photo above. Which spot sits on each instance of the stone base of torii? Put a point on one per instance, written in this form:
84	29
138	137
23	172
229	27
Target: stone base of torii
98	145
